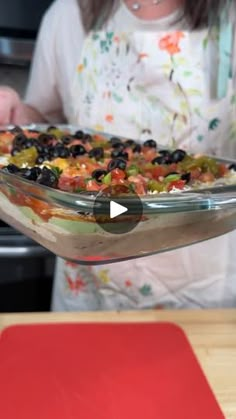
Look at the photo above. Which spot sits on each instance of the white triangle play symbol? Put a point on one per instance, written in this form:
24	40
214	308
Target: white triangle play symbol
116	209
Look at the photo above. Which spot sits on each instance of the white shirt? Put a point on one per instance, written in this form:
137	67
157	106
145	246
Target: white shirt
59	41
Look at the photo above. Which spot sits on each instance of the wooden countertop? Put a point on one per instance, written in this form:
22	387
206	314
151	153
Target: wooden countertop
212	334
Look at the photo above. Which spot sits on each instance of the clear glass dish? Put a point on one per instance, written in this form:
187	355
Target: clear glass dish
64	222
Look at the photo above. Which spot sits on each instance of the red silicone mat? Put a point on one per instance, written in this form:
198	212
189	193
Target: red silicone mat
88	371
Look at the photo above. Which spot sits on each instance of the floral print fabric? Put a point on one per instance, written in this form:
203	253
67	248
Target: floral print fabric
155	84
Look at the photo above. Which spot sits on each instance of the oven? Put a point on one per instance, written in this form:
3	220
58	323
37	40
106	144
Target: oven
19	23
26	269
26	273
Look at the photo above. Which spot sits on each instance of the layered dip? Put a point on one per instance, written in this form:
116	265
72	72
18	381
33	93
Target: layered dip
81	163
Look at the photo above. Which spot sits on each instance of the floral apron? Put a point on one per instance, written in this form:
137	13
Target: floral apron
162	85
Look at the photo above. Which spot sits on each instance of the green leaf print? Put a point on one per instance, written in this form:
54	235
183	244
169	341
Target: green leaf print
179	61
205	43
141	89
213	124
106	43
193	92
233	100
110	35
184	107
197	112
153	100
103	45
146	290
95	37
117	98
187	73
233	131
92	82
200	138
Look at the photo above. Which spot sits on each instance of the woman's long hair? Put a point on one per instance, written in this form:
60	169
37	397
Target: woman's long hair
196	11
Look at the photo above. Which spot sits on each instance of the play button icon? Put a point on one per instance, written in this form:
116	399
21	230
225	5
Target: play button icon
116	213
116	209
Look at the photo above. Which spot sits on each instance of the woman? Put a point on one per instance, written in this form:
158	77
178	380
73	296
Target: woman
151	68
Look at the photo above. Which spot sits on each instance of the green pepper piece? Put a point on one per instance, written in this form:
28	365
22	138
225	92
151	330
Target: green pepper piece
56	132
132	170
172	178
107	179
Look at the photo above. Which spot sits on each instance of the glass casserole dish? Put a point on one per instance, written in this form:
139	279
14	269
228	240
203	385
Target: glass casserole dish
65	223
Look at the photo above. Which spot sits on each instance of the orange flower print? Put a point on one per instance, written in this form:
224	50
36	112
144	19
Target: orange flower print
80	68
170	42
142	55
109	118
79	284
70	283
106	95
75	285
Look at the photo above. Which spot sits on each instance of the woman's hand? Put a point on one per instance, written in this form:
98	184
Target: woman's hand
14	111
10	106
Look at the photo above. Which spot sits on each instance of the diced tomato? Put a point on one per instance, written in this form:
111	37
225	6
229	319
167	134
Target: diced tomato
92	185
31	134
140	188
130	153
222	170
5	148
178	184
149	153
158	171
117	174
148	175
98	138
6	142
137	179
117	189
170	168
71	184
87	145
118	182
76	142
195	173
140	184
206	177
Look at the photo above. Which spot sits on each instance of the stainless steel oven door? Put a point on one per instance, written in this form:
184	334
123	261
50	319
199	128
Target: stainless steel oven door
26	273
15	245
16	51
19	24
